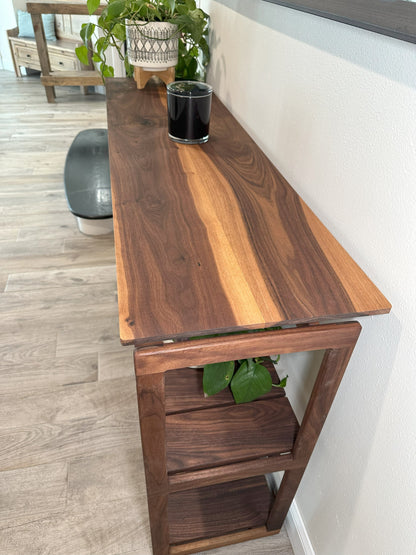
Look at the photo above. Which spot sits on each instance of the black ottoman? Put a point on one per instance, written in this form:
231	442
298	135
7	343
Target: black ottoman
87	182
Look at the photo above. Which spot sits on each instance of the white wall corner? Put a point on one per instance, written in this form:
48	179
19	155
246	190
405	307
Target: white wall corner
296	530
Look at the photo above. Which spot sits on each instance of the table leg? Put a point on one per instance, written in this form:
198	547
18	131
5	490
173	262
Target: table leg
43	53
151	396
326	385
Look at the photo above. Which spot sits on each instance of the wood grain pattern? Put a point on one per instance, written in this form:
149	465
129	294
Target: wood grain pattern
43	54
43	443
71	78
246	469
225	435
234	347
111	475
184	391
89	530
150	393
211	237
214	544
32	493
84	402
218	510
60	7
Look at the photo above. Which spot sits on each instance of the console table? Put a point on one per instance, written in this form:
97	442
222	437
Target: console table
212	239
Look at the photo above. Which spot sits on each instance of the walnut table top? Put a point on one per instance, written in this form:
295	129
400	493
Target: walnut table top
211	238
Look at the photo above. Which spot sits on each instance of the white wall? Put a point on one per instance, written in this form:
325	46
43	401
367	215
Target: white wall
334	107
7	21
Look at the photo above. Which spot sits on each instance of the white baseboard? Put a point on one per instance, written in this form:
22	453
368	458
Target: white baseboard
297	533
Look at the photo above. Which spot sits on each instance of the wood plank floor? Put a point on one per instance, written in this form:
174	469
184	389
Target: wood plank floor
71	473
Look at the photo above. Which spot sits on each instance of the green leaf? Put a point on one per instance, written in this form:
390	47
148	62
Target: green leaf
250	382
115	9
107	71
101	44
170	5
217	376
283	382
194	51
92	5
82	54
87	31
119	31
190	4
191	69
96	58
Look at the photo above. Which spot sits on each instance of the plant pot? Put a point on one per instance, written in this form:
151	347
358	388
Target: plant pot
152	45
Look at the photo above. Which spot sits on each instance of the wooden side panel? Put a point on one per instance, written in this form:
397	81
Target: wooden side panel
326	385
150	392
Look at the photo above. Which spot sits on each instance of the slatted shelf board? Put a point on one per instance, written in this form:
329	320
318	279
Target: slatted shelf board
206	436
216	511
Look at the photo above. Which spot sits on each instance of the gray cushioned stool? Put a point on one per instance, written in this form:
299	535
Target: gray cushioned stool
87	182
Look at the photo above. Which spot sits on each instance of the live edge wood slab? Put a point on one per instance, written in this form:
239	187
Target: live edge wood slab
212	239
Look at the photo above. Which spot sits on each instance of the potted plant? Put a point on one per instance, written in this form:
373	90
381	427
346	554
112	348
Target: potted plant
159	34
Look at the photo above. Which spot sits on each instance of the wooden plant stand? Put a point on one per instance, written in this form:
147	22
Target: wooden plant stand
142	76
211	239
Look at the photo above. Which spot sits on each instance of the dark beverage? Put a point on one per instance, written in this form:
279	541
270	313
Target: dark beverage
189	109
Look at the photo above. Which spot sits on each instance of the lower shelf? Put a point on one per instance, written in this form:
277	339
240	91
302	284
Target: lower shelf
218	510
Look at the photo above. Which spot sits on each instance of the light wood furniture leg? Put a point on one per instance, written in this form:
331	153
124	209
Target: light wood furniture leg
169	488
43	53
50	79
141	76
14	33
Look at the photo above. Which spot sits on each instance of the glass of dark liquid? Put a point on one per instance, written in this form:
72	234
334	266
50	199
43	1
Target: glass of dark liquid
189	110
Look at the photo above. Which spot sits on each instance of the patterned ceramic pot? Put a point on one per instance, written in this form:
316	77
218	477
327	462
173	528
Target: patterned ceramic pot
152	45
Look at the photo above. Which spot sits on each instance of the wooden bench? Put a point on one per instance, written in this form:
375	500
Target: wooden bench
49	78
87	182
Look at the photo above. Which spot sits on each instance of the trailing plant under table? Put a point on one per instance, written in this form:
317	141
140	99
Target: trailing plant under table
248	379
